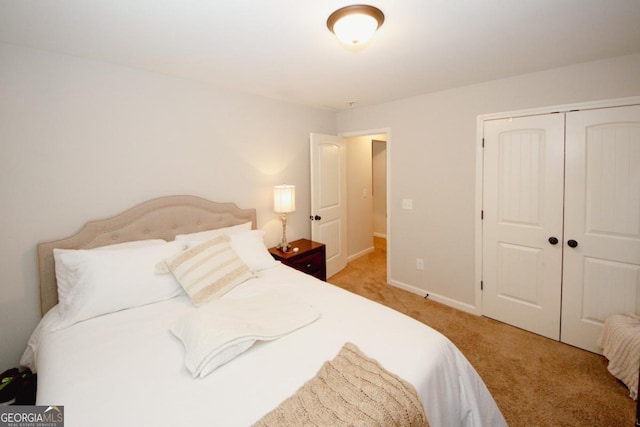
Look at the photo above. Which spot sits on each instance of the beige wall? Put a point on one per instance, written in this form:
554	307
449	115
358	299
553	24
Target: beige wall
432	153
359	198
363	209
81	140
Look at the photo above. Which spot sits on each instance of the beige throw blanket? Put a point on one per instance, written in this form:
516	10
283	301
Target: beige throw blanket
350	390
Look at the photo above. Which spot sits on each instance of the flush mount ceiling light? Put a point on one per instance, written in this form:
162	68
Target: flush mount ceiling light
354	25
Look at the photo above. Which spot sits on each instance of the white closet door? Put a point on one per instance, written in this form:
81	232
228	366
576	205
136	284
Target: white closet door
602	215
522	204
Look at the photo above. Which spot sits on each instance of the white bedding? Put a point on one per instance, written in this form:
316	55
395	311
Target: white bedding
128	369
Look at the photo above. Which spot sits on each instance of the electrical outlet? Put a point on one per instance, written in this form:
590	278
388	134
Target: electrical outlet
419	263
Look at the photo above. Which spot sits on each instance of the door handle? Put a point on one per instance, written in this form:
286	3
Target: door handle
316	218
572	243
553	240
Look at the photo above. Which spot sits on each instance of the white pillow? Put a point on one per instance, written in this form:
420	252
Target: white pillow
202	236
250	247
208	270
105	281
63	279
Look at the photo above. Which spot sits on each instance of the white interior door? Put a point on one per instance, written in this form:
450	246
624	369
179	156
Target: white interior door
522	209
329	198
602	215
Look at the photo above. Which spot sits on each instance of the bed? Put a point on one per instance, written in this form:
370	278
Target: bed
116	351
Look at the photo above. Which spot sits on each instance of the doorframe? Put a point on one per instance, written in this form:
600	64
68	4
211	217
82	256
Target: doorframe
563	108
375	131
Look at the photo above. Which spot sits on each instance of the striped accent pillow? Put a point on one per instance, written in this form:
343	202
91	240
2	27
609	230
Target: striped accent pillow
209	270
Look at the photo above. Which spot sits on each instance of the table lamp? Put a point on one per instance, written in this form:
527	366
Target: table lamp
284	202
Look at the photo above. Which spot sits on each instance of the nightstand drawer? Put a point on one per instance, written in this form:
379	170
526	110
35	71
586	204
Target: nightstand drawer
311	264
310	257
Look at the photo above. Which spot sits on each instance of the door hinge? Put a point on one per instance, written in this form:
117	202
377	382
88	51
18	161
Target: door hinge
481	285
482	214
482	142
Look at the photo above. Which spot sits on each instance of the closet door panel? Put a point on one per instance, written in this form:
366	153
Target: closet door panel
522	204
601	274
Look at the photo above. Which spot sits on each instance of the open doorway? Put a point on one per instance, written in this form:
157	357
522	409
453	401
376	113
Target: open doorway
367	196
342	196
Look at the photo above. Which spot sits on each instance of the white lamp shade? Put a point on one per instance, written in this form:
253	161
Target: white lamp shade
355	29
284	198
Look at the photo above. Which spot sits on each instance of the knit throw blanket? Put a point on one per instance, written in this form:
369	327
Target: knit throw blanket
350	390
620	342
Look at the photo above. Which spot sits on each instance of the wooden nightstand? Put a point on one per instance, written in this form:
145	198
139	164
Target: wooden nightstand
310	258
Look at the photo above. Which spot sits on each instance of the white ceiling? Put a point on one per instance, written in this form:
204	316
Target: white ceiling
282	49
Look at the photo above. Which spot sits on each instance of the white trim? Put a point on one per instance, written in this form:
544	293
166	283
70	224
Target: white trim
361	253
366	132
437	298
478	225
606	103
389	234
563	108
380	235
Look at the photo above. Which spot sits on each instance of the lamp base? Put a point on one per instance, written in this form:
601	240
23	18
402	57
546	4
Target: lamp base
284	246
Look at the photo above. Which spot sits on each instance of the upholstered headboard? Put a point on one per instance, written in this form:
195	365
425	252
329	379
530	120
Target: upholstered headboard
161	218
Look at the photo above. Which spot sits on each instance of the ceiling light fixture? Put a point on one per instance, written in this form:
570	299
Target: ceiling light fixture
354	25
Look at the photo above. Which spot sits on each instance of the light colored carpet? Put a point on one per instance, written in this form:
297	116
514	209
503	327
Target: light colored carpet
534	380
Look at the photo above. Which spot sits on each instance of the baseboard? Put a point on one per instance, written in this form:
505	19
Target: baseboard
361	253
381	235
437	298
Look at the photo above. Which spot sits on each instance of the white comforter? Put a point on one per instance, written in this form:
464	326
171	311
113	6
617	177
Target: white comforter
127	368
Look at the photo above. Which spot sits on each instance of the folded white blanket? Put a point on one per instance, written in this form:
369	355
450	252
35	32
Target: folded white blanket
222	329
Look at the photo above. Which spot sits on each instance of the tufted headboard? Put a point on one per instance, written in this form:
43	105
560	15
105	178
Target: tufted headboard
161	218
